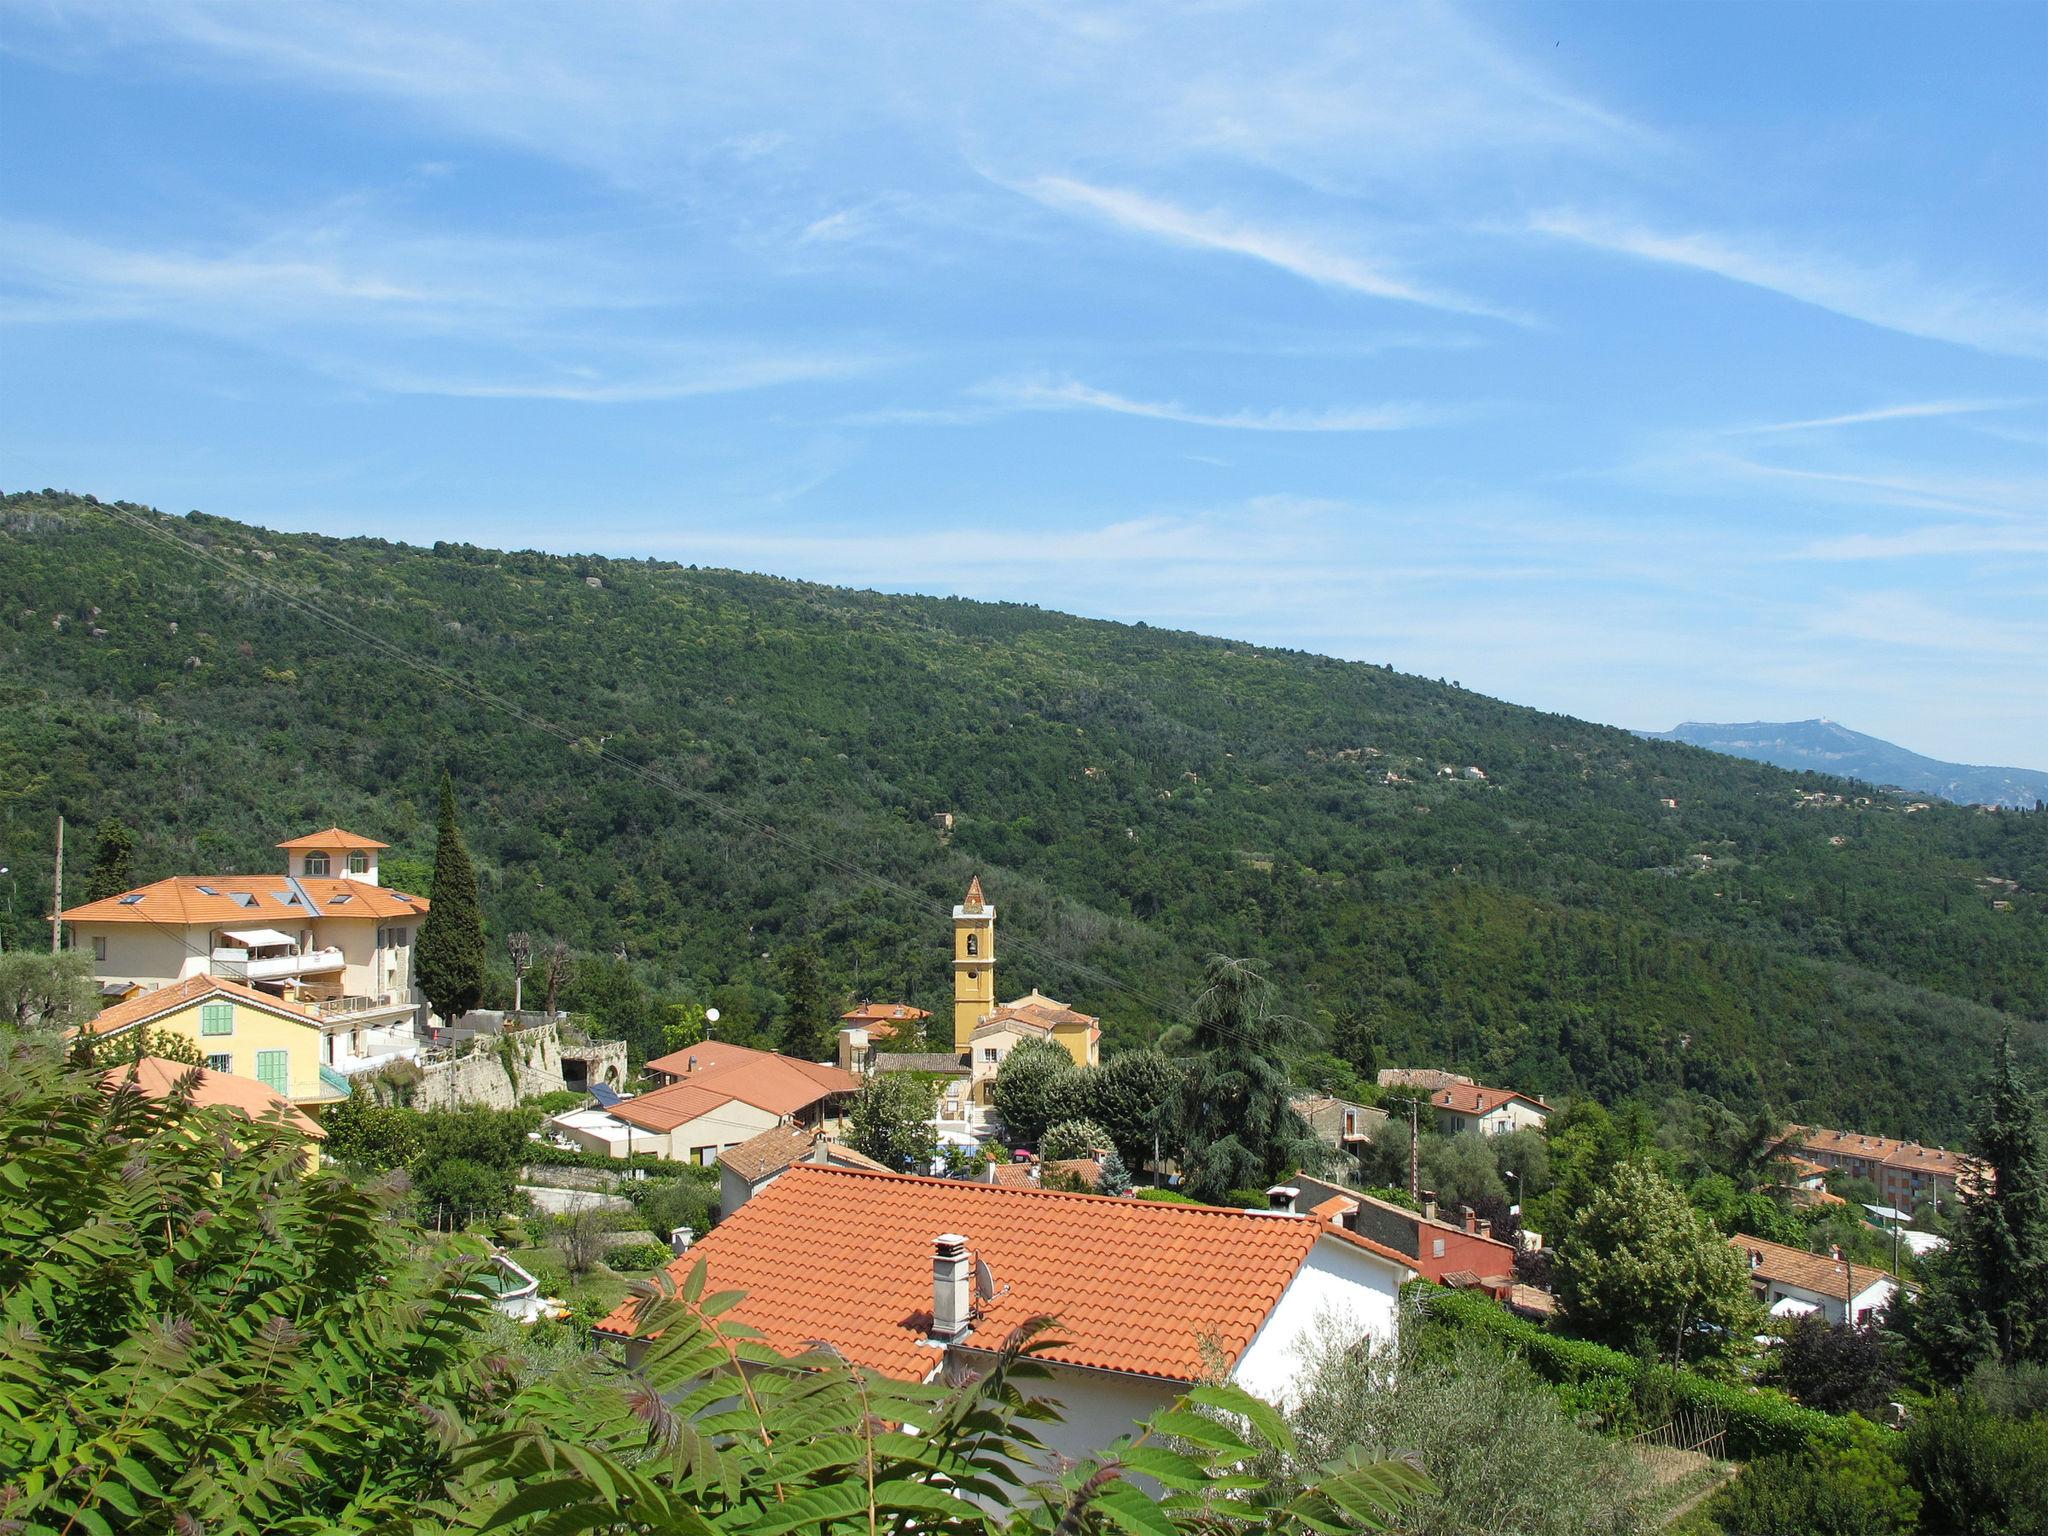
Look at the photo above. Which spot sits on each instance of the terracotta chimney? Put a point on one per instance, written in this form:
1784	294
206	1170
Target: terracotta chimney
1429	1205
1485	1227
1471	1218
952	1287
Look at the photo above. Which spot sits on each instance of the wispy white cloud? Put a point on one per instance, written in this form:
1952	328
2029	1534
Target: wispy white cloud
1961	541
1917	411
1071	395
1305	256
1964	494
1896	296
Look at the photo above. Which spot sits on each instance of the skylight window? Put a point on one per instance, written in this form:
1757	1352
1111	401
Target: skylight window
131	900
335	901
206	890
244	899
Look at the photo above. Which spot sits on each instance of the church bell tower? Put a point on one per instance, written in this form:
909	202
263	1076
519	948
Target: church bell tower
974	963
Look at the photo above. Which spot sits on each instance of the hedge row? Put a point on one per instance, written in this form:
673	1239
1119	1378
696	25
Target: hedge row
546	1154
1761	1422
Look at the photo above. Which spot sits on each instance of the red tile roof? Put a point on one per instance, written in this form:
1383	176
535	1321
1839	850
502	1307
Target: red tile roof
145	1007
763	1156
155	1077
1907	1156
333	837
879	1016
716	1073
1820	1273
210	899
845	1257
1477	1099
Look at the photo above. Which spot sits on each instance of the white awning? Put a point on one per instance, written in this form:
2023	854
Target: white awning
259	938
1792	1306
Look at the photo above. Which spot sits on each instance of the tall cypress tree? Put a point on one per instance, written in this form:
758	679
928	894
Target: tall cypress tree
448	962
806	1031
112	845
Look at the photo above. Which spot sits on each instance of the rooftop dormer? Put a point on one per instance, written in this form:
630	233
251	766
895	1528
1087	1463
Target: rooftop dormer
332	854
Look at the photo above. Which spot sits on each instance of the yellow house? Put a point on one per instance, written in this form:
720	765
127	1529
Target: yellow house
235	1030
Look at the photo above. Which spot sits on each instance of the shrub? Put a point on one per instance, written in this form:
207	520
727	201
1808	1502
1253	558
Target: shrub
1981	1474
1072	1138
636	1256
557	1102
1760	1421
1853	1489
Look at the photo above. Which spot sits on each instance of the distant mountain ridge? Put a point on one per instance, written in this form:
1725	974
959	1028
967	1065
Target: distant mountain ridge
1826	747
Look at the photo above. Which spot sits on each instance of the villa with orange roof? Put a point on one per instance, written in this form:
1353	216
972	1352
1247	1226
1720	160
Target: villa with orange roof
1462	1107
326	935
924	1279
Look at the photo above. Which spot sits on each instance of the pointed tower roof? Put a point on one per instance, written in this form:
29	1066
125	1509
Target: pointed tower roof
974	901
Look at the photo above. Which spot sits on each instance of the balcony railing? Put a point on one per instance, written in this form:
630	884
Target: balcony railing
334	1082
344	1006
238	964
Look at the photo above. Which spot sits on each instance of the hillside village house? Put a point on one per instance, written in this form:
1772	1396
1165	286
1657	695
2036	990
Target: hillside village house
1462	1107
155	1078
747	1169
1791	1282
1339	1123
1905	1172
714	1097
325	936
923	1279
238	1032
1438	1248
884	1021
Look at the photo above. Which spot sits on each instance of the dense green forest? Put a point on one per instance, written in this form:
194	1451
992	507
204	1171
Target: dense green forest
697	769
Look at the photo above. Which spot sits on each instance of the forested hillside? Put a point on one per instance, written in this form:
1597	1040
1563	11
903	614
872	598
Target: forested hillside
699	768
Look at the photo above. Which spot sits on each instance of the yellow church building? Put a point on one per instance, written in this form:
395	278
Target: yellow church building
984	1031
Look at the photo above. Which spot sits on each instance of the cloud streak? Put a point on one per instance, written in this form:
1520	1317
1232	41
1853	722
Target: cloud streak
1895	297
1918	411
1071	395
1301	255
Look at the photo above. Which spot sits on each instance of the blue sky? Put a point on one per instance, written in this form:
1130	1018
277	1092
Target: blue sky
1644	362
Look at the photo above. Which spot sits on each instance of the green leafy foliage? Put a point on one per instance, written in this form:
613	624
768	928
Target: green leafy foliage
805	1031
1549	928
1854	1488
890	1121
44	993
448	954
1642	1270
1071	1138
1037	1085
193	1336
1238	1126
113	850
1981	1472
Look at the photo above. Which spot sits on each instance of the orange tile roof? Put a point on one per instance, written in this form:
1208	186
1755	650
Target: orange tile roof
333	837
1820	1273
156	1077
784	1146
210	900
884	1014
781	1085
145	1007
1135	1286
1477	1099
1908	1156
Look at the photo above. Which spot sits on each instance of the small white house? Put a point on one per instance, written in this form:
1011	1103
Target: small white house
923	1279
1790	1282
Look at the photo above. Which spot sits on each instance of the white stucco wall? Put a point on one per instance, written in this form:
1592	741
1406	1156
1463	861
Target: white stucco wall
1341	1285
1096	1407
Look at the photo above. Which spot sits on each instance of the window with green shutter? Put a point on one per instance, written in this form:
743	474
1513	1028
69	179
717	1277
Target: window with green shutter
273	1070
217	1018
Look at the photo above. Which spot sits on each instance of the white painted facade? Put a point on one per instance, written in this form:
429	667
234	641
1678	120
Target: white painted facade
1340	1285
1869	1299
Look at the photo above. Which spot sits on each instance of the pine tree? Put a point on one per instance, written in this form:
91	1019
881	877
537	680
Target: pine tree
1238	1128
1987	1295
113	844
448	961
1116	1178
806	1030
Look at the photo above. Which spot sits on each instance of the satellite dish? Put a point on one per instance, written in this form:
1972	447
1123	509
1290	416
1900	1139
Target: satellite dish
710	1015
984	1280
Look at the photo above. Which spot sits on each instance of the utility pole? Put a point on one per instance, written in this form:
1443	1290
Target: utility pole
57	894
